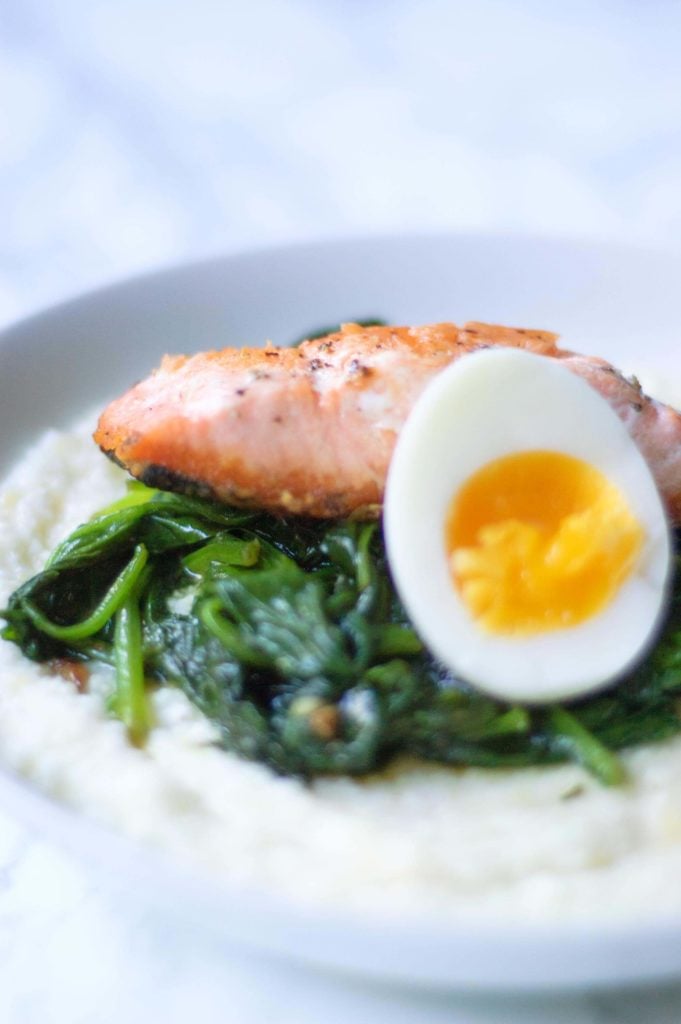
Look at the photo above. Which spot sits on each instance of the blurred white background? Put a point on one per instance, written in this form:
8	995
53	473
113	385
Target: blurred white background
135	133
140	132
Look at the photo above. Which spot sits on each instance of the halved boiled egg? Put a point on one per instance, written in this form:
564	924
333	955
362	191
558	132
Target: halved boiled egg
524	530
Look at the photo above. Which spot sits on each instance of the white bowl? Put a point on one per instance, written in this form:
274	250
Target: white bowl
605	299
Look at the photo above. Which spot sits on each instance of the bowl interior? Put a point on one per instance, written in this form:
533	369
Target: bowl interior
603	299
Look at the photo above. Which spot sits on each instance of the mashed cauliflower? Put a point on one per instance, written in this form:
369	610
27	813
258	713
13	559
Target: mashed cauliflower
543	843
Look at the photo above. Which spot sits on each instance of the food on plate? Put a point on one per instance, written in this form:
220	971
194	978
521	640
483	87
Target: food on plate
310	430
287	632
541	533
248	690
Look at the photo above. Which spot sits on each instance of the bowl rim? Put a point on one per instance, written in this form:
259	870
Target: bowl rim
574	953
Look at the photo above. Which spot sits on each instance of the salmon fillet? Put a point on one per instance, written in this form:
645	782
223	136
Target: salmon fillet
311	429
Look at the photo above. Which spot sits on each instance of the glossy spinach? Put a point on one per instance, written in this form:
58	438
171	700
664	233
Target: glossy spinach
289	636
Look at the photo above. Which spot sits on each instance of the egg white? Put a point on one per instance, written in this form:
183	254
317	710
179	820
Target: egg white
487	405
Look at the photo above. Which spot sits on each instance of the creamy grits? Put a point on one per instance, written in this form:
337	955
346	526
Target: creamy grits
542	843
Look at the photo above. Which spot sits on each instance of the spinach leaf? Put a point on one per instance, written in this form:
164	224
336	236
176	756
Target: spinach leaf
287	633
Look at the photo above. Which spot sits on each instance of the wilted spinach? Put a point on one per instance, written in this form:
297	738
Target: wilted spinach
289	636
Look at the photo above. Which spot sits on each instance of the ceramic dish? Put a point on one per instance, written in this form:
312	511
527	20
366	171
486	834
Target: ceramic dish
617	302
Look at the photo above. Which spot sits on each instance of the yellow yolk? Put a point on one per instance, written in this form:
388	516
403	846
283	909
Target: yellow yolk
539	541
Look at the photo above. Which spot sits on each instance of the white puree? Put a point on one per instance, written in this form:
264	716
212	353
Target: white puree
540	843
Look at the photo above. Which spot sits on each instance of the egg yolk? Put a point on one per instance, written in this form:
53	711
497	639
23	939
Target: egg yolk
539	541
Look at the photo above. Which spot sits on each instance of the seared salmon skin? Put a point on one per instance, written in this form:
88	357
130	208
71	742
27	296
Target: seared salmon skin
311	430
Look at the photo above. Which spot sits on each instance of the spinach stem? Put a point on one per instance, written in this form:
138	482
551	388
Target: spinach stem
586	748
395	640
364	564
131	702
115	596
228	634
515	720
224	550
